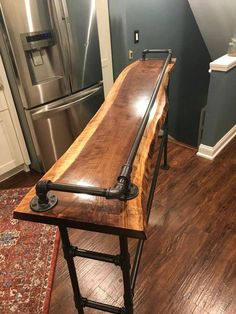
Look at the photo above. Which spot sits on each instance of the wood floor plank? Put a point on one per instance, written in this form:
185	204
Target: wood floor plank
189	260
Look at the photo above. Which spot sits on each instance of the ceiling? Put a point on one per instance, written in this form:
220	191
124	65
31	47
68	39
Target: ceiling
217	23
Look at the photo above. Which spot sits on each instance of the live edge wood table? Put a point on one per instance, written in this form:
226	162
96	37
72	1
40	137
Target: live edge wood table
105	182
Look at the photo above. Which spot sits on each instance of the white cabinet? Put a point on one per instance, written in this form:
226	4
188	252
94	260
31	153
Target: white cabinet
13	152
10	156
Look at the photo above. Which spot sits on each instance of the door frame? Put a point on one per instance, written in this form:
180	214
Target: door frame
104	34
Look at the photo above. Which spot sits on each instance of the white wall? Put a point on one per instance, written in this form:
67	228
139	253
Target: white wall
216	20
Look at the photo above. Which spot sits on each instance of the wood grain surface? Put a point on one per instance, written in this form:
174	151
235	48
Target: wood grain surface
96	157
188	263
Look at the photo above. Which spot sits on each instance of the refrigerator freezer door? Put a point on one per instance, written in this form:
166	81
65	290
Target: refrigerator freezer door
83	44
56	126
36	54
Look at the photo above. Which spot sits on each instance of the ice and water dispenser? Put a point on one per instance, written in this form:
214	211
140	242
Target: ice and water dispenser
37	47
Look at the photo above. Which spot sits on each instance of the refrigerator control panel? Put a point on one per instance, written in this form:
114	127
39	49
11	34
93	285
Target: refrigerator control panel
37	40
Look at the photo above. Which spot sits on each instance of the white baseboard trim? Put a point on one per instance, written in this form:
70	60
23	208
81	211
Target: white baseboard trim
14	171
210	152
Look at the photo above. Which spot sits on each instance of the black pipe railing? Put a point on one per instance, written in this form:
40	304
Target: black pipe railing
146	51
144	122
123	189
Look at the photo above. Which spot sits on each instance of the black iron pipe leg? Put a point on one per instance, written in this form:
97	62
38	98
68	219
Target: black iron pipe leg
125	267
137	259
72	270
165	165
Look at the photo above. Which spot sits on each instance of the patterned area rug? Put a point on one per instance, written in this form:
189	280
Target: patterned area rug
28	253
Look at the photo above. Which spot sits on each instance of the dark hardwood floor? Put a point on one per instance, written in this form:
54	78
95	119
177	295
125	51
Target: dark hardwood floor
189	260
21	179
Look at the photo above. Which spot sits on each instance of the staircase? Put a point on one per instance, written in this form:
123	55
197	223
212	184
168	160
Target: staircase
217	23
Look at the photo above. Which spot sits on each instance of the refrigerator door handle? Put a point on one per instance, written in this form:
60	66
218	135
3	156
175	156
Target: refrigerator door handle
69	34
65	9
37	114
59	21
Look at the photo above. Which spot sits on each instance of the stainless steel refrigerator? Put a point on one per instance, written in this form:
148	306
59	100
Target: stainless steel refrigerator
54	50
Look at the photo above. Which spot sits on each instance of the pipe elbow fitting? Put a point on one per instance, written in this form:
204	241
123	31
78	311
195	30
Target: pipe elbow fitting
116	192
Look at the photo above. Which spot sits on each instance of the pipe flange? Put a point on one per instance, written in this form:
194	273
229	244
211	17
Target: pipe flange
36	206
131	193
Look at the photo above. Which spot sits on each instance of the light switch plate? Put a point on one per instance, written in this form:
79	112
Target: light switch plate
136	36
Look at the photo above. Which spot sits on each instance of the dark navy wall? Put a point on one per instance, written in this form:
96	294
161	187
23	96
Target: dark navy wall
166	24
221	106
118	25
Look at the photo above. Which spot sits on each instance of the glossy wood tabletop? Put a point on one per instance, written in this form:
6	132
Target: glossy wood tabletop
98	154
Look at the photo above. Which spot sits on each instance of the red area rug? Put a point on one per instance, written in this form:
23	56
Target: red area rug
28	253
